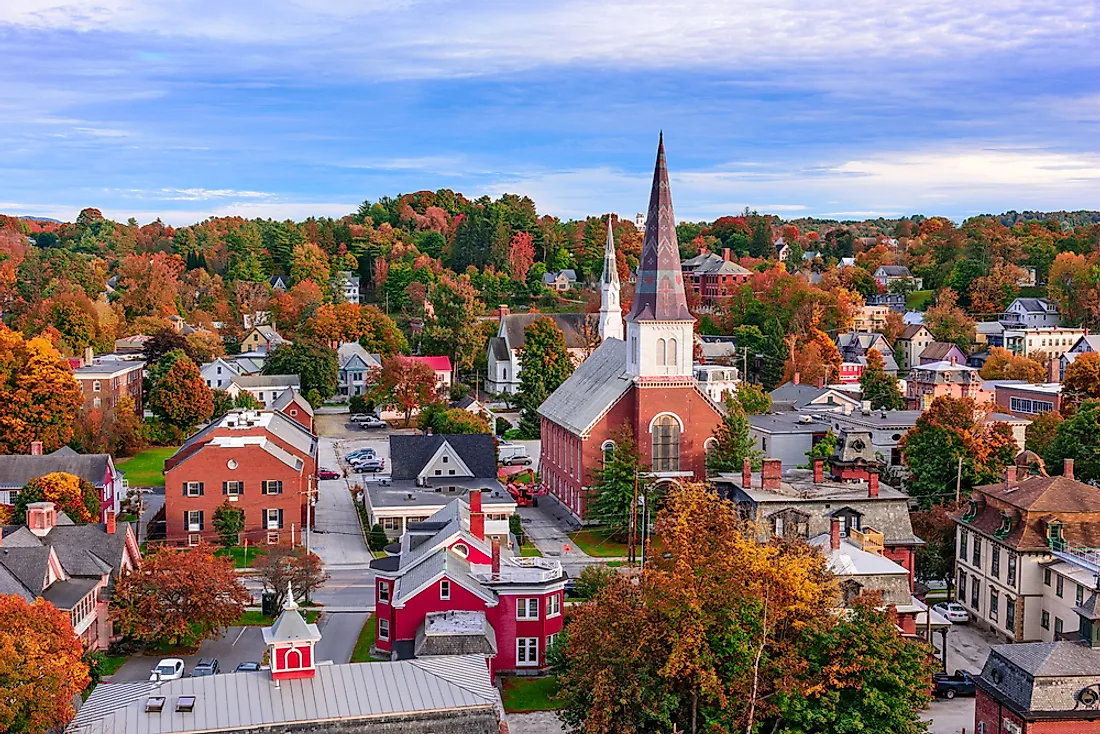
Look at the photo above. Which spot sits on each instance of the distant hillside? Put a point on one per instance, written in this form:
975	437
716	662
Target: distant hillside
41	219
1068	219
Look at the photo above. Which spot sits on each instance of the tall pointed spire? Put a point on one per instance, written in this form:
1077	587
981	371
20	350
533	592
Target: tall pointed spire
659	293
611	313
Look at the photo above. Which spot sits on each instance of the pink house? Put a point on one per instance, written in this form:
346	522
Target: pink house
442	368
927	382
99	469
449	591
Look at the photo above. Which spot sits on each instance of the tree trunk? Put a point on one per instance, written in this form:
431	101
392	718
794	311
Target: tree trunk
694	711
756	664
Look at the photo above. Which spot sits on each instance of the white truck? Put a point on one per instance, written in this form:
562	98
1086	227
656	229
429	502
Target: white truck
514	454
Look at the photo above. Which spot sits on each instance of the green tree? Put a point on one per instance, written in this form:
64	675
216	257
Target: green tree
753	399
1040	433
612	487
228	521
546	365
935	560
1078	438
315	363
378	538
455	329
823	449
881	389
733	442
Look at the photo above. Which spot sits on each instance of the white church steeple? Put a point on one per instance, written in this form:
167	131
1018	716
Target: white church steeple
611	314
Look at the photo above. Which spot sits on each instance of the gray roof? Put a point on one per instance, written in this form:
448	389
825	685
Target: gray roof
266	380
437	563
1036	305
286	397
67	594
348	351
88	550
16	471
28	565
11	585
894	271
500	348
570	324
409	453
238	701
597	384
455	633
290	627
786	423
281	426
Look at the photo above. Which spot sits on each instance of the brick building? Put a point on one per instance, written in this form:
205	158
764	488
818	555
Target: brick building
713	276
107	380
1024	399
294	405
645	383
262	462
448	579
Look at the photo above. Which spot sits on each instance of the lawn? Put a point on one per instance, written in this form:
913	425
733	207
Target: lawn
361	653
146	468
918	300
257	619
528	549
242	557
598	543
530	694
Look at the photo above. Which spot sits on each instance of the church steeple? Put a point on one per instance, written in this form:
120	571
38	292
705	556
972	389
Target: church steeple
660	328
611	313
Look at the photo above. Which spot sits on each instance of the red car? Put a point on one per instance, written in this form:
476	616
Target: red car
323	473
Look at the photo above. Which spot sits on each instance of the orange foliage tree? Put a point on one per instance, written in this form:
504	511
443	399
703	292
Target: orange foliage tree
182	397
73	495
178	596
39	398
1004	365
1082	380
406	382
40	666
813	357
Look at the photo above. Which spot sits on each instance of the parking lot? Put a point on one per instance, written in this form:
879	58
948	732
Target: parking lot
237	645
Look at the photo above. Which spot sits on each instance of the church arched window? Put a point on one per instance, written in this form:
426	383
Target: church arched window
661	352
666	443
672	357
608	449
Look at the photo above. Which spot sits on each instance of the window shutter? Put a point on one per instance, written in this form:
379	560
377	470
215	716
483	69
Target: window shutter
202	487
186	521
202	525
186	486
279	487
280	519
225	487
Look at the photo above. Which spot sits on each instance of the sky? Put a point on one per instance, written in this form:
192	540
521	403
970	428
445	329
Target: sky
185	109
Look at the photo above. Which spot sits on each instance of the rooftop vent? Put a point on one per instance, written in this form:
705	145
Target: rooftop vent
154	704
185	704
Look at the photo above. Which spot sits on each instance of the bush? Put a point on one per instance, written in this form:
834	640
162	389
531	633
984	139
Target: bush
503	426
378	540
592	580
360	404
515	527
511	434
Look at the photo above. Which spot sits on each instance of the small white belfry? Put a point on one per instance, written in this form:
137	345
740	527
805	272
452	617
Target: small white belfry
611	314
290	642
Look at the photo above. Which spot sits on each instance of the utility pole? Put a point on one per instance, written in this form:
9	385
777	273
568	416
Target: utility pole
958	481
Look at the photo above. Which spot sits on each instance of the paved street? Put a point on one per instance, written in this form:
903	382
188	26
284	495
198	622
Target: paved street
547	526
950	717
339	633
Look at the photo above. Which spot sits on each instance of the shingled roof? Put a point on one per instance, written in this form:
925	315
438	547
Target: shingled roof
409	454
515	325
17	470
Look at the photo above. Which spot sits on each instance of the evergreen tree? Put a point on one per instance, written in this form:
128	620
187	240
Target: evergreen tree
734	442
878	387
229	522
612	489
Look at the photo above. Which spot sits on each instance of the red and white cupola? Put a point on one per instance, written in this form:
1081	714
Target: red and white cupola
290	643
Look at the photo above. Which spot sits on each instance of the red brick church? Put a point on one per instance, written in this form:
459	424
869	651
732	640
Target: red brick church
645	382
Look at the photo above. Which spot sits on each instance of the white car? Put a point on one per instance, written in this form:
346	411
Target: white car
168	669
952	611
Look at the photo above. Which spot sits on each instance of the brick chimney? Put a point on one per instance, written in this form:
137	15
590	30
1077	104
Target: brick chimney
834	533
504	310
477	517
819	382
795	378
772	473
36	448
746	474
819	470
110	522
726	254
496	557
1067	470
1010	475
872	484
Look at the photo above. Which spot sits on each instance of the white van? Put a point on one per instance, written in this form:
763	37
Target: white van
512	454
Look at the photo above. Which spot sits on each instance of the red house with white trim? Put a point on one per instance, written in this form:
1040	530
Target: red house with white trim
442	368
449	591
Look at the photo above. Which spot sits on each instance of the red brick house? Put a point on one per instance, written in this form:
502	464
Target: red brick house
107	380
263	462
646	382
74	567
449	591
714	276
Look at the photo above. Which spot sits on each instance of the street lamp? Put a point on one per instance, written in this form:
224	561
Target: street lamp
645	525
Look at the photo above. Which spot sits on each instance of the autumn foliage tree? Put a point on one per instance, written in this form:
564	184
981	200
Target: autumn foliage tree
757	645
73	495
521	255
948	322
1004	365
953	429
282	564
813	357
878	387
1082	380
182	397
178	596
41	671
39	398
407	383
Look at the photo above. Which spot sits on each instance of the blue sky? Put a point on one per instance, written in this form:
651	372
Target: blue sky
184	109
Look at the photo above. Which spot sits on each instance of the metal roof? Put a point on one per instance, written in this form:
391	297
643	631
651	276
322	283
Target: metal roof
337	693
598	383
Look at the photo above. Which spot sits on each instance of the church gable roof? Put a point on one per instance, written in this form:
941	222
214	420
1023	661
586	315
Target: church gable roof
596	385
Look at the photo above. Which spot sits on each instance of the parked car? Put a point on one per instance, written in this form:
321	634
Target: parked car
355	461
323	473
364	418
514	454
168	669
952	611
360	454
247	668
205	666
371	465
372	422
960	683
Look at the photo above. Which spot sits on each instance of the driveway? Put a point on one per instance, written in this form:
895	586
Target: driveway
950	717
337	536
237	645
548	527
339	633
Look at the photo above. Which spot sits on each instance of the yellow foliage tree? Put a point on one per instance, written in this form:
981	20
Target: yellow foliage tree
39	398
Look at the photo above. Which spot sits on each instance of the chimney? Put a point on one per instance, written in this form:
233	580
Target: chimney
795	378
820	381
834	533
954	360
772	474
36	448
89	355
872	484
477	517
1067	470
110	522
504	310
746	474
496	557
726	254
1010	475
41	517
819	470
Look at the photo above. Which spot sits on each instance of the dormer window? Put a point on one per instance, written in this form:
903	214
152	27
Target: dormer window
1054	536
1007	522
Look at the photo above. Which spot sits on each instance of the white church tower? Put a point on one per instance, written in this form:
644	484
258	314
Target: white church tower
611	314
